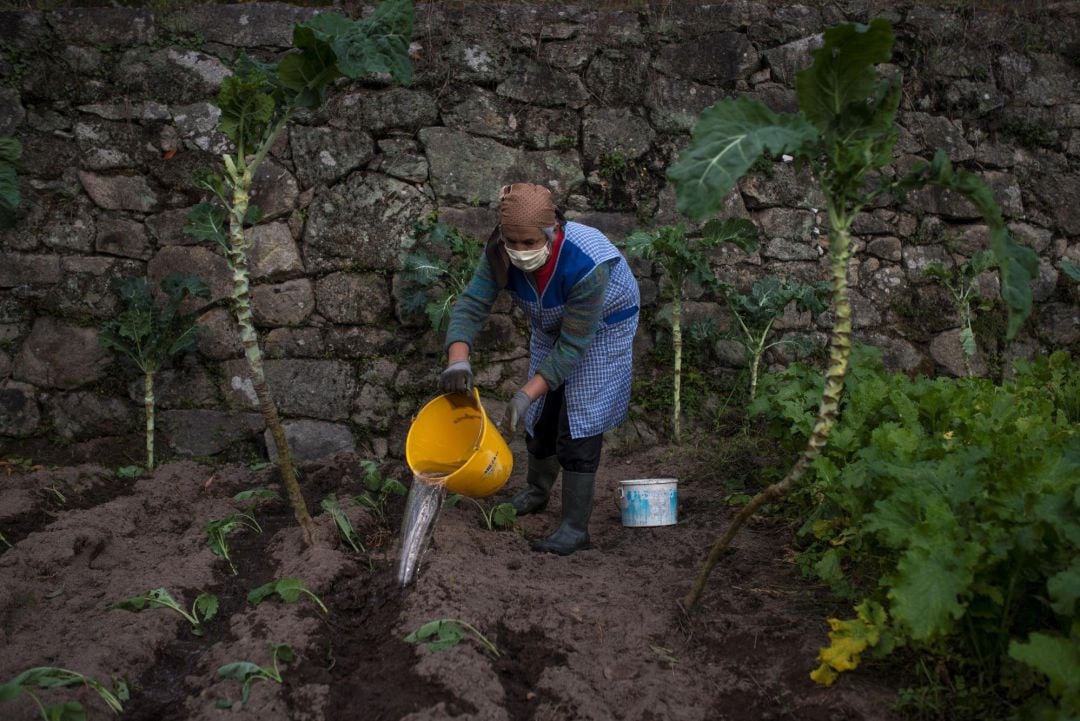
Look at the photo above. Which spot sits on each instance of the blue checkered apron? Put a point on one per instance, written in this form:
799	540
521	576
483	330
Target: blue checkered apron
598	389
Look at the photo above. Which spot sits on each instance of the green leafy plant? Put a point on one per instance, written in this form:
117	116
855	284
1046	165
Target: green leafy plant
757	311
129	471
444	633
151	333
845	131
10	152
1056	657
4	541
288	590
257	102
435	274
499	515
684	260
218	531
51	677
1072	270
344	525
963	289
256	496
614	166
247	673
951	507
204	608
378	490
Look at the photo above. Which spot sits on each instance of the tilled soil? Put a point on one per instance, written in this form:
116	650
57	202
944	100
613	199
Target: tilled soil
596	635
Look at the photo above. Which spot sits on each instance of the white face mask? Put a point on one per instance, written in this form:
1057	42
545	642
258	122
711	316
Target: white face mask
529	260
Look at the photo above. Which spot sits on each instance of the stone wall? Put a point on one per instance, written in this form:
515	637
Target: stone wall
111	106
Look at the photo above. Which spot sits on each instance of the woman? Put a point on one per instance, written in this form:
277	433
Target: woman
582	302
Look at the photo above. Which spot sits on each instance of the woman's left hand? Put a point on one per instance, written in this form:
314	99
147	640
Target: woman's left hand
515	414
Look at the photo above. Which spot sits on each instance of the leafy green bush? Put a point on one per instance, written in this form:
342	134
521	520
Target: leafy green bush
436	274
952	509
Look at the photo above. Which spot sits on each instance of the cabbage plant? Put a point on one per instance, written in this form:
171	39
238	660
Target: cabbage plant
150	333
257	102
685	260
845	130
757	311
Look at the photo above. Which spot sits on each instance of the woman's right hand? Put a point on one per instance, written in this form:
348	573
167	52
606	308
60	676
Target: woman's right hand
456	378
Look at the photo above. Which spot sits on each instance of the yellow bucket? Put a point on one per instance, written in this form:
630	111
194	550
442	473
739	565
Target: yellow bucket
453	437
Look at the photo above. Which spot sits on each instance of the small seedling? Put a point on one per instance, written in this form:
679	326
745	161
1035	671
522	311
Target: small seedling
444	633
344	525
50	677
255	495
289	589
129	471
500	515
55	494
248	673
205	606
218	530
4	541
378	491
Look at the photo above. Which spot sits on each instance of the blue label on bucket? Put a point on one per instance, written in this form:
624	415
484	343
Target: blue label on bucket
650	508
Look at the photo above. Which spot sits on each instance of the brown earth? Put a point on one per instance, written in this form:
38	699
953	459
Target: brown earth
595	635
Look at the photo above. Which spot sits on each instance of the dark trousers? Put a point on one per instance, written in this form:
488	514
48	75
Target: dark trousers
552	437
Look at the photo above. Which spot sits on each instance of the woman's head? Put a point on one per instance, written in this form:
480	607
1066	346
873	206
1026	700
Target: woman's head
528	218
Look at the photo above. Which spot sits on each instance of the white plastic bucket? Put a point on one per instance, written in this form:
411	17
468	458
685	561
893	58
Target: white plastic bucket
649	501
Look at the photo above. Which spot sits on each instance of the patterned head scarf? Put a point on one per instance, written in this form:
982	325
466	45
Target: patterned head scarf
524	211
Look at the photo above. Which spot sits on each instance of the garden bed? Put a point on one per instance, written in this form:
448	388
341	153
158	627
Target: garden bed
592	636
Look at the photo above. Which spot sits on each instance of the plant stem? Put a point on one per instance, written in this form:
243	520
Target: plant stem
41	706
676	342
148	395
757	353
479	636
839	352
483	513
237	256
316	599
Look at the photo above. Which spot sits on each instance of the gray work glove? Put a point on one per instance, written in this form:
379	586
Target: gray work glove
456	378
515	414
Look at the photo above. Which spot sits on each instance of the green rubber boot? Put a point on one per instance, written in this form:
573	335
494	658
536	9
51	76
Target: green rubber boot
577	500
540	478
